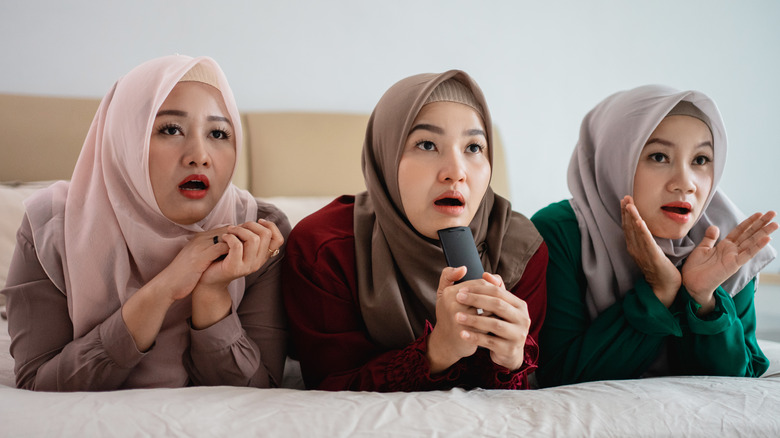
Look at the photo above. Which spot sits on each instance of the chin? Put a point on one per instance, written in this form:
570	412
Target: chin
668	234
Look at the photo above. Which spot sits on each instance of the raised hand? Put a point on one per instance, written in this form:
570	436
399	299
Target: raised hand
710	264
659	272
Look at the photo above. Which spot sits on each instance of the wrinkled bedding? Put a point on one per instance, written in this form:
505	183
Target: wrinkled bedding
668	406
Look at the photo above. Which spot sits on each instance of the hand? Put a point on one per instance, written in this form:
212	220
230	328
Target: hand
445	345
145	310
250	246
659	272
503	328
181	276
709	265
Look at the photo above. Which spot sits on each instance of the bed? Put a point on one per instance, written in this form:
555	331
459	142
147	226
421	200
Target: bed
40	142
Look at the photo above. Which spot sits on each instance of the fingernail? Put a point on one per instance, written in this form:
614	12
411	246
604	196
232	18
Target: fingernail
461	296
460	317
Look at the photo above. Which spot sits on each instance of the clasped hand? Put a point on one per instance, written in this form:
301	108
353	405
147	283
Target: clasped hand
459	331
246	248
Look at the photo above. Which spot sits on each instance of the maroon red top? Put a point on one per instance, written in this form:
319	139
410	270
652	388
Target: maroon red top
329	336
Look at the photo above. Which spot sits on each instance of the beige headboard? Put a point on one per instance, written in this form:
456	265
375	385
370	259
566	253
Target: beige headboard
288	154
42	136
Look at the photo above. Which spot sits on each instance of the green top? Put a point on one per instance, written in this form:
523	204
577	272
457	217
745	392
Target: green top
625	339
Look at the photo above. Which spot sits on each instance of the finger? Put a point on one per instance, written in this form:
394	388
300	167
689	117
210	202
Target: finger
764	225
710	237
252	242
633	227
497	344
745	229
210	245
644	237
450	275
277	240
235	255
493	279
505	306
262	250
751	247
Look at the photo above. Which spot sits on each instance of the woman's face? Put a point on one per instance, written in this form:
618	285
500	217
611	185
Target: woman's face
674	176
445	168
192	152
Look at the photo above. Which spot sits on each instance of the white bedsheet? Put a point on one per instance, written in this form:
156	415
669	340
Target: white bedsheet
669	406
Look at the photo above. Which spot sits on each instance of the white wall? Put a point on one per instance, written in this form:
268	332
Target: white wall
542	65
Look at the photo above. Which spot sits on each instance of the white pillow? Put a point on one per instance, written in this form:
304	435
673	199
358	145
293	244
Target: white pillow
11	197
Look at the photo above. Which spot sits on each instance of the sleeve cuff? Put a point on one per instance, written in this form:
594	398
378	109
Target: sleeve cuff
118	342
717	321
647	314
411	370
504	378
219	336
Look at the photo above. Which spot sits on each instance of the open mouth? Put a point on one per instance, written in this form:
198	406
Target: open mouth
676	210
194	183
449	202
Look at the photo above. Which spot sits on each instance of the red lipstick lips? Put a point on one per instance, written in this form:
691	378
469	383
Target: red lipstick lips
678	211
194	186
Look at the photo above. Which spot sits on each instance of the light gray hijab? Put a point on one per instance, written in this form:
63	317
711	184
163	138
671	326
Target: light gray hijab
601	173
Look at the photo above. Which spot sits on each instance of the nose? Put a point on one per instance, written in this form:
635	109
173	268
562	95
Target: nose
196	154
683	180
453	168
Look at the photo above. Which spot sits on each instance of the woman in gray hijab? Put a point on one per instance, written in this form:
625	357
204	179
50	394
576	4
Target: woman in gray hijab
652	269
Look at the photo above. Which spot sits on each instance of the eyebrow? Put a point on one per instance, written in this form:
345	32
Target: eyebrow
172	113
179	113
437	130
475	132
427	127
671	144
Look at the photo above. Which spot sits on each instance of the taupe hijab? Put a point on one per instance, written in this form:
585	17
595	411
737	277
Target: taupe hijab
398	269
601	173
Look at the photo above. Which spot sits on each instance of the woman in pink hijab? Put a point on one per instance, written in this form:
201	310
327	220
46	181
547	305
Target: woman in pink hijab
149	268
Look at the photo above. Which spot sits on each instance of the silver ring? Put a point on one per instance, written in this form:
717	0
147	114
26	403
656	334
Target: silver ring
480	311
273	252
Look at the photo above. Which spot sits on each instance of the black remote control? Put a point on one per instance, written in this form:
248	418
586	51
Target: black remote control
460	250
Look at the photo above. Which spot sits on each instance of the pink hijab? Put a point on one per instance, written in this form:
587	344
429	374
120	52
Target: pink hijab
101	236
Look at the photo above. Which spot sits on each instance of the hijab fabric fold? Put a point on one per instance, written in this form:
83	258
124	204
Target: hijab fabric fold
398	269
612	136
101	236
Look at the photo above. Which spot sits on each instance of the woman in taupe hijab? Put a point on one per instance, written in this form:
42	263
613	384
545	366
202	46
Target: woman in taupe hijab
372	304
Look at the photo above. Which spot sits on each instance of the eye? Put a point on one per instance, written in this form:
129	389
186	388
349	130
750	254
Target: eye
170	129
475	148
701	160
426	145
659	157
220	134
